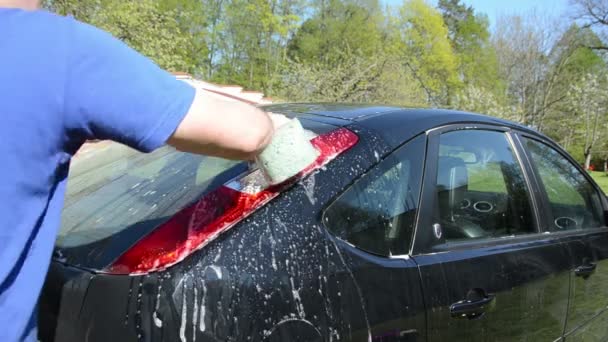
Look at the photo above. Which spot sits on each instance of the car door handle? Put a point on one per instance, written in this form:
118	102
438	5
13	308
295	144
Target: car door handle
585	270
471	308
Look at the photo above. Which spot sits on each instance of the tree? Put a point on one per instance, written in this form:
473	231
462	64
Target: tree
470	38
589	102
251	51
147	28
567	62
192	19
594	14
422	43
524	50
337	25
82	10
352	78
478	99
570	62
145	25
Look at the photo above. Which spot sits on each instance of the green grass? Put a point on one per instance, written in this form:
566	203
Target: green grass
601	179
486	178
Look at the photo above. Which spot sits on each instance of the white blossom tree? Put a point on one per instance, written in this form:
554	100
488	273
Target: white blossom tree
589	103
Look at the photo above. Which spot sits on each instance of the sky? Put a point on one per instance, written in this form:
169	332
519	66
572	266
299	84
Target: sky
495	8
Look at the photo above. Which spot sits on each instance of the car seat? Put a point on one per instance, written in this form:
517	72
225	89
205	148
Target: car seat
452	187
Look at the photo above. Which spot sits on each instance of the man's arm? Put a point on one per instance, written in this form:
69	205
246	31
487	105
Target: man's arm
222	128
113	92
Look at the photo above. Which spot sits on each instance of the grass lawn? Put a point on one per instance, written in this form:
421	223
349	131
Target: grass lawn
601	179
487	179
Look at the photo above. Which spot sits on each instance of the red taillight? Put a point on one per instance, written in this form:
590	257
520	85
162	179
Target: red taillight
197	225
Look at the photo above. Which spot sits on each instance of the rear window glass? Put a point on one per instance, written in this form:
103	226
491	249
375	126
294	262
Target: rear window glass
112	187
378	212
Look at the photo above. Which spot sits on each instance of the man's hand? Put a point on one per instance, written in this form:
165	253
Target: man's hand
226	129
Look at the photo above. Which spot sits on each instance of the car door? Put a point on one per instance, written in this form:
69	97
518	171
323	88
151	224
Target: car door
373	221
575	209
487	272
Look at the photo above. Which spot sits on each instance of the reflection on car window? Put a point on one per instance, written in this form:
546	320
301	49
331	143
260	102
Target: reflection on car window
377	214
483	195
574	202
115	187
482	176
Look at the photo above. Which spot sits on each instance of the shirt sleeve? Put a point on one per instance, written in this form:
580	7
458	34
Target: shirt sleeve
113	92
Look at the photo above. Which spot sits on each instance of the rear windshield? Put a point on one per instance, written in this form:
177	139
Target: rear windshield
116	195
113	188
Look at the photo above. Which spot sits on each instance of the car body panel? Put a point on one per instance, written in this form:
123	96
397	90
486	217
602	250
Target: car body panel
587	318
394	132
391	291
588	310
529	279
527	274
280	275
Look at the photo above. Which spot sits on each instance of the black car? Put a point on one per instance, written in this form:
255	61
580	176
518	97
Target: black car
413	225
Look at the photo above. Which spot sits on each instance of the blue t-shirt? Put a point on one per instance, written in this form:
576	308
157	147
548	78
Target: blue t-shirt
62	82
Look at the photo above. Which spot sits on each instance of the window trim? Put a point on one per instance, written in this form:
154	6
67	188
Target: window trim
424	241
544	197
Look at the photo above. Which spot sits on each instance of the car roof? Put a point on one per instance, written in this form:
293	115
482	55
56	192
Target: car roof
394	124
345	111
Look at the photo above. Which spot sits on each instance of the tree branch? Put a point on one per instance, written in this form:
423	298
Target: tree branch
601	47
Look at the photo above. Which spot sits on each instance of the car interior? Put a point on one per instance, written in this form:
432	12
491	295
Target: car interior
480	196
454	200
573	202
377	213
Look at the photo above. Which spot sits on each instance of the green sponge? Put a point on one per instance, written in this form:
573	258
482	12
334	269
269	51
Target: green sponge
288	153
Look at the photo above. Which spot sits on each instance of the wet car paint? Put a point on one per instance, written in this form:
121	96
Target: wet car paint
588	311
281	276
528	279
275	276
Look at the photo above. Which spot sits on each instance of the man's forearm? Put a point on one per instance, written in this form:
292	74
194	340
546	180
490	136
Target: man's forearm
221	128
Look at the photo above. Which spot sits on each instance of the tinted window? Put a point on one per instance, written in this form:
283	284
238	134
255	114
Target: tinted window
575	203
377	214
112	188
483	194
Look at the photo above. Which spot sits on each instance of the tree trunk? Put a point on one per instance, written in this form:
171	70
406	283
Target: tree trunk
606	165
587	160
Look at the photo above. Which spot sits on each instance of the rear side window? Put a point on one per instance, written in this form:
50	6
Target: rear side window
377	214
574	201
113	188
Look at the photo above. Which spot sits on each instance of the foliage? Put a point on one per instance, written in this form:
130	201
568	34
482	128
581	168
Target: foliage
145	27
476	99
425	49
590	104
353	78
594	14
336	26
470	37
251	39
543	73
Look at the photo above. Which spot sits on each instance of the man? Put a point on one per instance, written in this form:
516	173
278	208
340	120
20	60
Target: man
63	82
